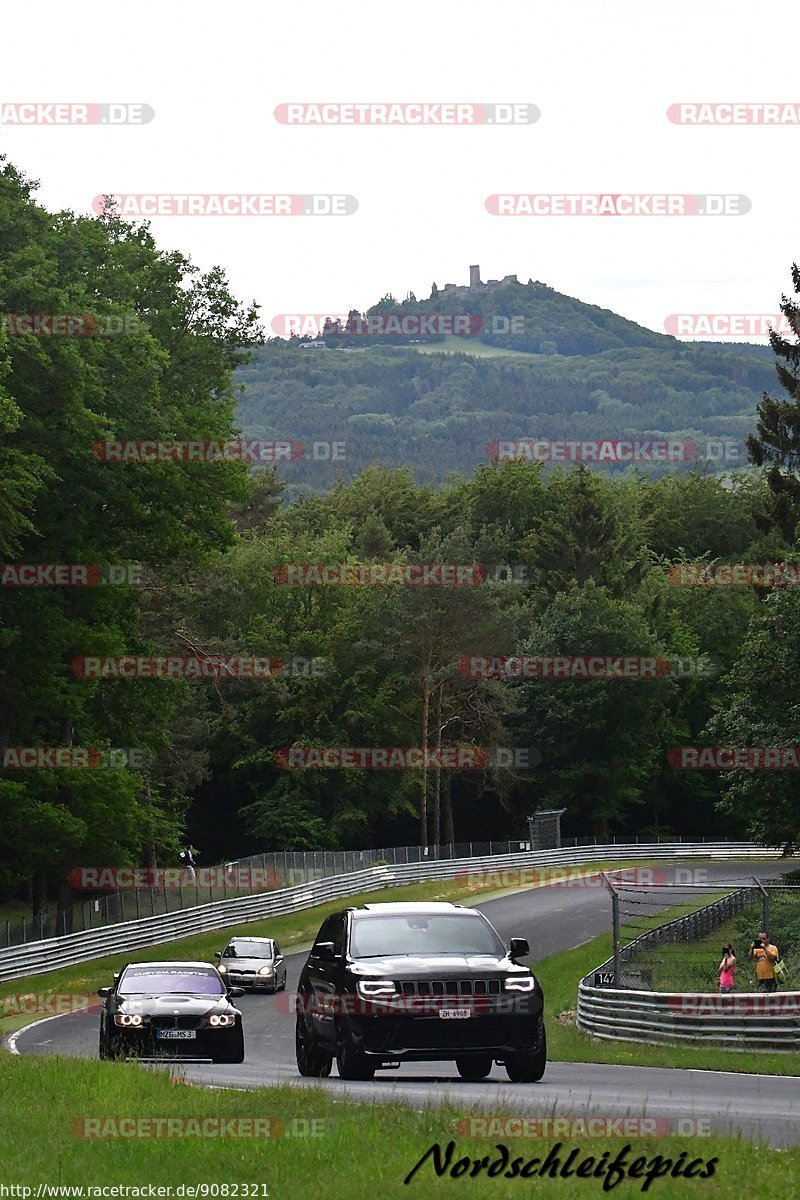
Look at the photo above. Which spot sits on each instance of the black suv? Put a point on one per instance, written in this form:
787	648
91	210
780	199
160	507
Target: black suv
391	983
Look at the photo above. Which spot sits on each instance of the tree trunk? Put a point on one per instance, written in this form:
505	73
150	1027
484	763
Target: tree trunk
449	832
423	800
39	900
437	793
66	895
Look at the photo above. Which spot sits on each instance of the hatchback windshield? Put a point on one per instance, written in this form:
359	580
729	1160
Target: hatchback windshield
422	933
249	950
156	983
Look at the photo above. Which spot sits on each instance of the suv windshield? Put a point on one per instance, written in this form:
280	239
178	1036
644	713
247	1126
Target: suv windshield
157	983
422	933
249	950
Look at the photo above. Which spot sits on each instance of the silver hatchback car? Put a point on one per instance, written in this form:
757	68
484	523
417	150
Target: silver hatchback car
253	962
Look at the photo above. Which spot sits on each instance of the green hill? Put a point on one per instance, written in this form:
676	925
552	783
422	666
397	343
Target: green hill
537	364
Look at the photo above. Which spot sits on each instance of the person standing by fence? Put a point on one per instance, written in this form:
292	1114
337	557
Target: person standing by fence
764	955
727	969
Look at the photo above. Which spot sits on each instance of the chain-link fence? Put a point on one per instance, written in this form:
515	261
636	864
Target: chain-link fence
260	873
683	954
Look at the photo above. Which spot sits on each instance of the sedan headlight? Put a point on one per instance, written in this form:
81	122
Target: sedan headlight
520	983
372	989
221	1019
128	1019
266	970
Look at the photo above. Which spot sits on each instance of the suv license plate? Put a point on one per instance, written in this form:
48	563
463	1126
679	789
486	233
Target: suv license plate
176	1033
455	1014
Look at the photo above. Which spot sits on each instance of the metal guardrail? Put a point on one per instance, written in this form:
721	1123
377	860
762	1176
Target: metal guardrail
747	1021
32	958
274	869
743	1021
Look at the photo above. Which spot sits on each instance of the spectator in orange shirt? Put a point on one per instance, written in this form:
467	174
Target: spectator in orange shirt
764	955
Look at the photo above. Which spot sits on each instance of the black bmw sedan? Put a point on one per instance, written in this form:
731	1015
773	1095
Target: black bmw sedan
171	1008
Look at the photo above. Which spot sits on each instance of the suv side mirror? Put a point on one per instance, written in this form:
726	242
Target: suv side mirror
519	948
324	950
104	991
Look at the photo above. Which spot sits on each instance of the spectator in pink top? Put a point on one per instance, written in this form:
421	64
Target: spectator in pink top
726	970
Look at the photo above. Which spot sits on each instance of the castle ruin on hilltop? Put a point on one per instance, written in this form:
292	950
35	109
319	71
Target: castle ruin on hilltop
475	284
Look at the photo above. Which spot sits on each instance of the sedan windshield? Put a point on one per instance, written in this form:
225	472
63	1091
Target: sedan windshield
413	933
157	983
248	950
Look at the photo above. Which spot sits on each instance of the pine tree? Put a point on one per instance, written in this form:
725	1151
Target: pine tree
777	442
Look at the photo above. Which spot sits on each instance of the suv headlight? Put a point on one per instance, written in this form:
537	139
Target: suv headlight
127	1019
266	970
221	1019
520	983
375	989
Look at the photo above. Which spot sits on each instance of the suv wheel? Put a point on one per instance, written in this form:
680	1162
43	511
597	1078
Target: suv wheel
529	1067
474	1068
351	1063
312	1060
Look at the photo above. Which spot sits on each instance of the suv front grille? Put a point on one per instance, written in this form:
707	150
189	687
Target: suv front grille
448	987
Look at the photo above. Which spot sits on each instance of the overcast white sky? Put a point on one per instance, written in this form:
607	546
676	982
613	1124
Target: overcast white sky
603	76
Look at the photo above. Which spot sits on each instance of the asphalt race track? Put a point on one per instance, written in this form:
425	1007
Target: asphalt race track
553	919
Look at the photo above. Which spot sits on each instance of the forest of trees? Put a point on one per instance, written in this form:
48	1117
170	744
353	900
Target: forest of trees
589	557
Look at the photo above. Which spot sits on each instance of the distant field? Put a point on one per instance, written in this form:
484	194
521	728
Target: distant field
475	349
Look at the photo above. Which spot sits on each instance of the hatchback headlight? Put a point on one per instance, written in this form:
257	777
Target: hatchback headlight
221	1019
222	970
373	989
127	1019
520	983
266	970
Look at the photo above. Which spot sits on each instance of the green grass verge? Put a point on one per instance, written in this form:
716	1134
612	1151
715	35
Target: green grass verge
357	1150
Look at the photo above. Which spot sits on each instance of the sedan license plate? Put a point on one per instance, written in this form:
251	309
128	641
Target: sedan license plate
455	1014
176	1033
